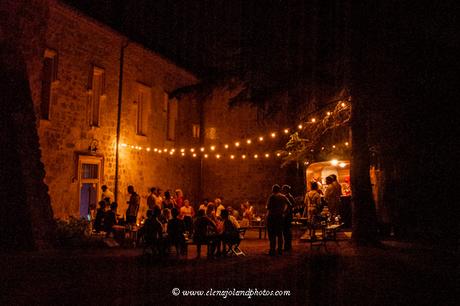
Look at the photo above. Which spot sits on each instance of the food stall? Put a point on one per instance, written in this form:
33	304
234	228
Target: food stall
317	172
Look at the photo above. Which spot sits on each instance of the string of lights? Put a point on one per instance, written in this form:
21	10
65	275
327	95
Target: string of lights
221	151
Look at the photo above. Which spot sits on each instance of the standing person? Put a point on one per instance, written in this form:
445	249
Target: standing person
152	198
313	207
168	202
133	206
276	206
332	196
219	206
107	195
110	218
176	230
159	199
287	222
179	198
187	213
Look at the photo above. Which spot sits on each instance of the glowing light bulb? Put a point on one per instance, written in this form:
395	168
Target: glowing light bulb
182	150
256	156
155	150
132	147
334	162
226	146
206	156
267	155
273	135
202	149
232	156
278	154
243	156
286	131
248	141
237	144
343	104
124	145
342	165
328	113
346	143
218	156
165	150
148	149
140	148
194	155
171	152
313	120
261	138
333	146
192	150
322	148
183	153
289	153
212	148
300	126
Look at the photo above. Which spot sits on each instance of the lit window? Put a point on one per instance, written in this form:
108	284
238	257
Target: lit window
49	81
196	130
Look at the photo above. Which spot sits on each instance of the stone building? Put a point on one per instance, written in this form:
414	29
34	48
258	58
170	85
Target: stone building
78	111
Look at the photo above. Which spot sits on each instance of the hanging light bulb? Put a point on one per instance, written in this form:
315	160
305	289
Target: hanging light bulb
267	155
226	146
248	141
256	156
194	155
183	153
124	145
217	156
155	150
206	156
232	156
148	149
202	149
213	148
261	138
286	131
165	150
237	144
342	165
192	150
328	113
333	146
273	135
313	120
300	126
334	162
182	150
278	154
343	104
243	156
346	143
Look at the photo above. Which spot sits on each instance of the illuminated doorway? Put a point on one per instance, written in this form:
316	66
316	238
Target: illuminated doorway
90	181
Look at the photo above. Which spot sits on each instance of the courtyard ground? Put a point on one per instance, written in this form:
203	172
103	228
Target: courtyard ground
395	274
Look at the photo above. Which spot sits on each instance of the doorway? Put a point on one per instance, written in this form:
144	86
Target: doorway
90	182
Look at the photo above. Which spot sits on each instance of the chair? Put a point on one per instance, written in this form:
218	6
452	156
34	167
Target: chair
234	244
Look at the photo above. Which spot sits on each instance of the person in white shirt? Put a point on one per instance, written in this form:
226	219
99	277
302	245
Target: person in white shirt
219	206
107	195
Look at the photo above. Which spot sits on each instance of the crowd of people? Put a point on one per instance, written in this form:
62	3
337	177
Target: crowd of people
171	220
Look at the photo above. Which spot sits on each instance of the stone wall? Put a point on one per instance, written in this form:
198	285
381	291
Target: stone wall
82	43
239	179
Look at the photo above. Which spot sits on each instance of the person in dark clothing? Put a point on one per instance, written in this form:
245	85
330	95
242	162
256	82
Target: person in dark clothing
133	206
200	233
99	219
287	222
176	229
110	218
276	206
152	231
230	235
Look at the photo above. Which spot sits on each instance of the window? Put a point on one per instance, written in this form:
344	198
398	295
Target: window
172	120
96	95
49	80
142	102
196	130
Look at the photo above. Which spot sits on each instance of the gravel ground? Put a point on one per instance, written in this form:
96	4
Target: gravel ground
395	274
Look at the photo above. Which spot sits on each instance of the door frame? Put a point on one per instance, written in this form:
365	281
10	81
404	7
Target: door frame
94	160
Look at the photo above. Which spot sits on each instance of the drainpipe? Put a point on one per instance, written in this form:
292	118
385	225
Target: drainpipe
120	93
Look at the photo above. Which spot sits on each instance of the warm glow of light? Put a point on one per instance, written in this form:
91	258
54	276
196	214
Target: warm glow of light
248	141
213	148
334	162
124	145
256	156
346	143
278	154
192	150
217	156
333	146
132	147
328	113
267	155
226	146
322	148
182	150
243	156
148	149
165	150
159	151
202	149
183	153
206	156
273	135
140	148
171	153
343	104
237	144
173	150
286	131
313	120
342	165
289	153
232	156
261	138
194	155
300	126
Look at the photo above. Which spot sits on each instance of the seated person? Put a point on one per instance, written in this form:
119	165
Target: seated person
201	234
152	231
230	235
110	218
99	220
176	230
